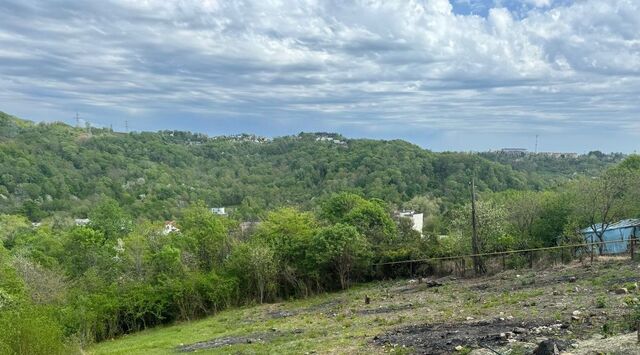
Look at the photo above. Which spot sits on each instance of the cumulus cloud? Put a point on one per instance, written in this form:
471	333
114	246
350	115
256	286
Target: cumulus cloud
539	3
397	65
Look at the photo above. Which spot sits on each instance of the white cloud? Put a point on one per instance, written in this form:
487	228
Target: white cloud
362	61
539	3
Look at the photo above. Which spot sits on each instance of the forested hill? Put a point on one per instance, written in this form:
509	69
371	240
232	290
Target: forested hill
54	168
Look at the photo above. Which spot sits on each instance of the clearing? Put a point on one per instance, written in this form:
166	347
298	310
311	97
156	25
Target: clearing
510	312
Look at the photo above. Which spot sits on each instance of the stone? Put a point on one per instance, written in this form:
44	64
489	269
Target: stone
621	291
572	279
433	283
576	313
459	348
547	347
519	330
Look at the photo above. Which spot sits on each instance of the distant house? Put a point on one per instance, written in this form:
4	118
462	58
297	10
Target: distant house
330	139
559	155
621	231
82	221
514	151
219	211
417	219
170	227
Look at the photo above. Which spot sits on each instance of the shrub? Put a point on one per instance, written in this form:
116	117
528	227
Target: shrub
30	330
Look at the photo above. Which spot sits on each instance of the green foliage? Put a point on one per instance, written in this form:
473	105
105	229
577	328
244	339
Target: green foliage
206	235
288	233
109	219
30	330
370	217
491	223
53	168
10	227
86	248
631	162
255	266
340	249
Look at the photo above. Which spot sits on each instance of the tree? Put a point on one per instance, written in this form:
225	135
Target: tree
85	249
288	232
109	218
372	221
10	227
492	226
340	248
255	265
602	201
338	206
206	233
369	217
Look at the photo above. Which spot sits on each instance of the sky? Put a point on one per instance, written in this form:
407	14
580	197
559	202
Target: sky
465	75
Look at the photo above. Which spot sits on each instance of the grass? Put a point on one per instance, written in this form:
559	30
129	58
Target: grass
342	323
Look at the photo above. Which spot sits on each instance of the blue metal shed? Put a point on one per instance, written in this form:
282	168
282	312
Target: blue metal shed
622	231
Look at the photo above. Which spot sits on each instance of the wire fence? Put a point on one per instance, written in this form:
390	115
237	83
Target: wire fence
463	265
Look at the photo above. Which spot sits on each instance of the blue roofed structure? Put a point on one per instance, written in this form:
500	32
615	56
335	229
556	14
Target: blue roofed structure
622	232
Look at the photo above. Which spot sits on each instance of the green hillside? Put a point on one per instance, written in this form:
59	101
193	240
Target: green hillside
53	168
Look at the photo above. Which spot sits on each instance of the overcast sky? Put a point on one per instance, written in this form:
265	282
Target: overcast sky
447	75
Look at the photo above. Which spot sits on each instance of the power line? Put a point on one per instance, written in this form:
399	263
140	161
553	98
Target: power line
500	252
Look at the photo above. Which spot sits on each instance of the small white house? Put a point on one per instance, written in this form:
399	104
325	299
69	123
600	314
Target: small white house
170	227
82	221
417	219
219	211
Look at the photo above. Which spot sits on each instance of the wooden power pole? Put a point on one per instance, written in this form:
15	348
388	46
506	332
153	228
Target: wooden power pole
478	266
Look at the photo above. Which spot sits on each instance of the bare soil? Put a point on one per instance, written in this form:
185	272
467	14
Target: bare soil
444	338
226	341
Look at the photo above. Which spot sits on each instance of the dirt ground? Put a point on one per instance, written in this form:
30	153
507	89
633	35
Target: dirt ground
442	338
570	303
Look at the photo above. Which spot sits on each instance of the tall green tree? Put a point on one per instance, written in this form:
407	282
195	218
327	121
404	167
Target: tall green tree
206	235
341	249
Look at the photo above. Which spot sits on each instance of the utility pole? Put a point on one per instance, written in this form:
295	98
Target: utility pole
536	144
478	266
126	126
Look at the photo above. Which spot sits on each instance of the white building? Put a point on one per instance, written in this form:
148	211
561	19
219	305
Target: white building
417	219
219	211
82	221
170	227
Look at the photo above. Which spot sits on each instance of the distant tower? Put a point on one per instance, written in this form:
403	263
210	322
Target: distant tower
77	120
126	126
536	144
